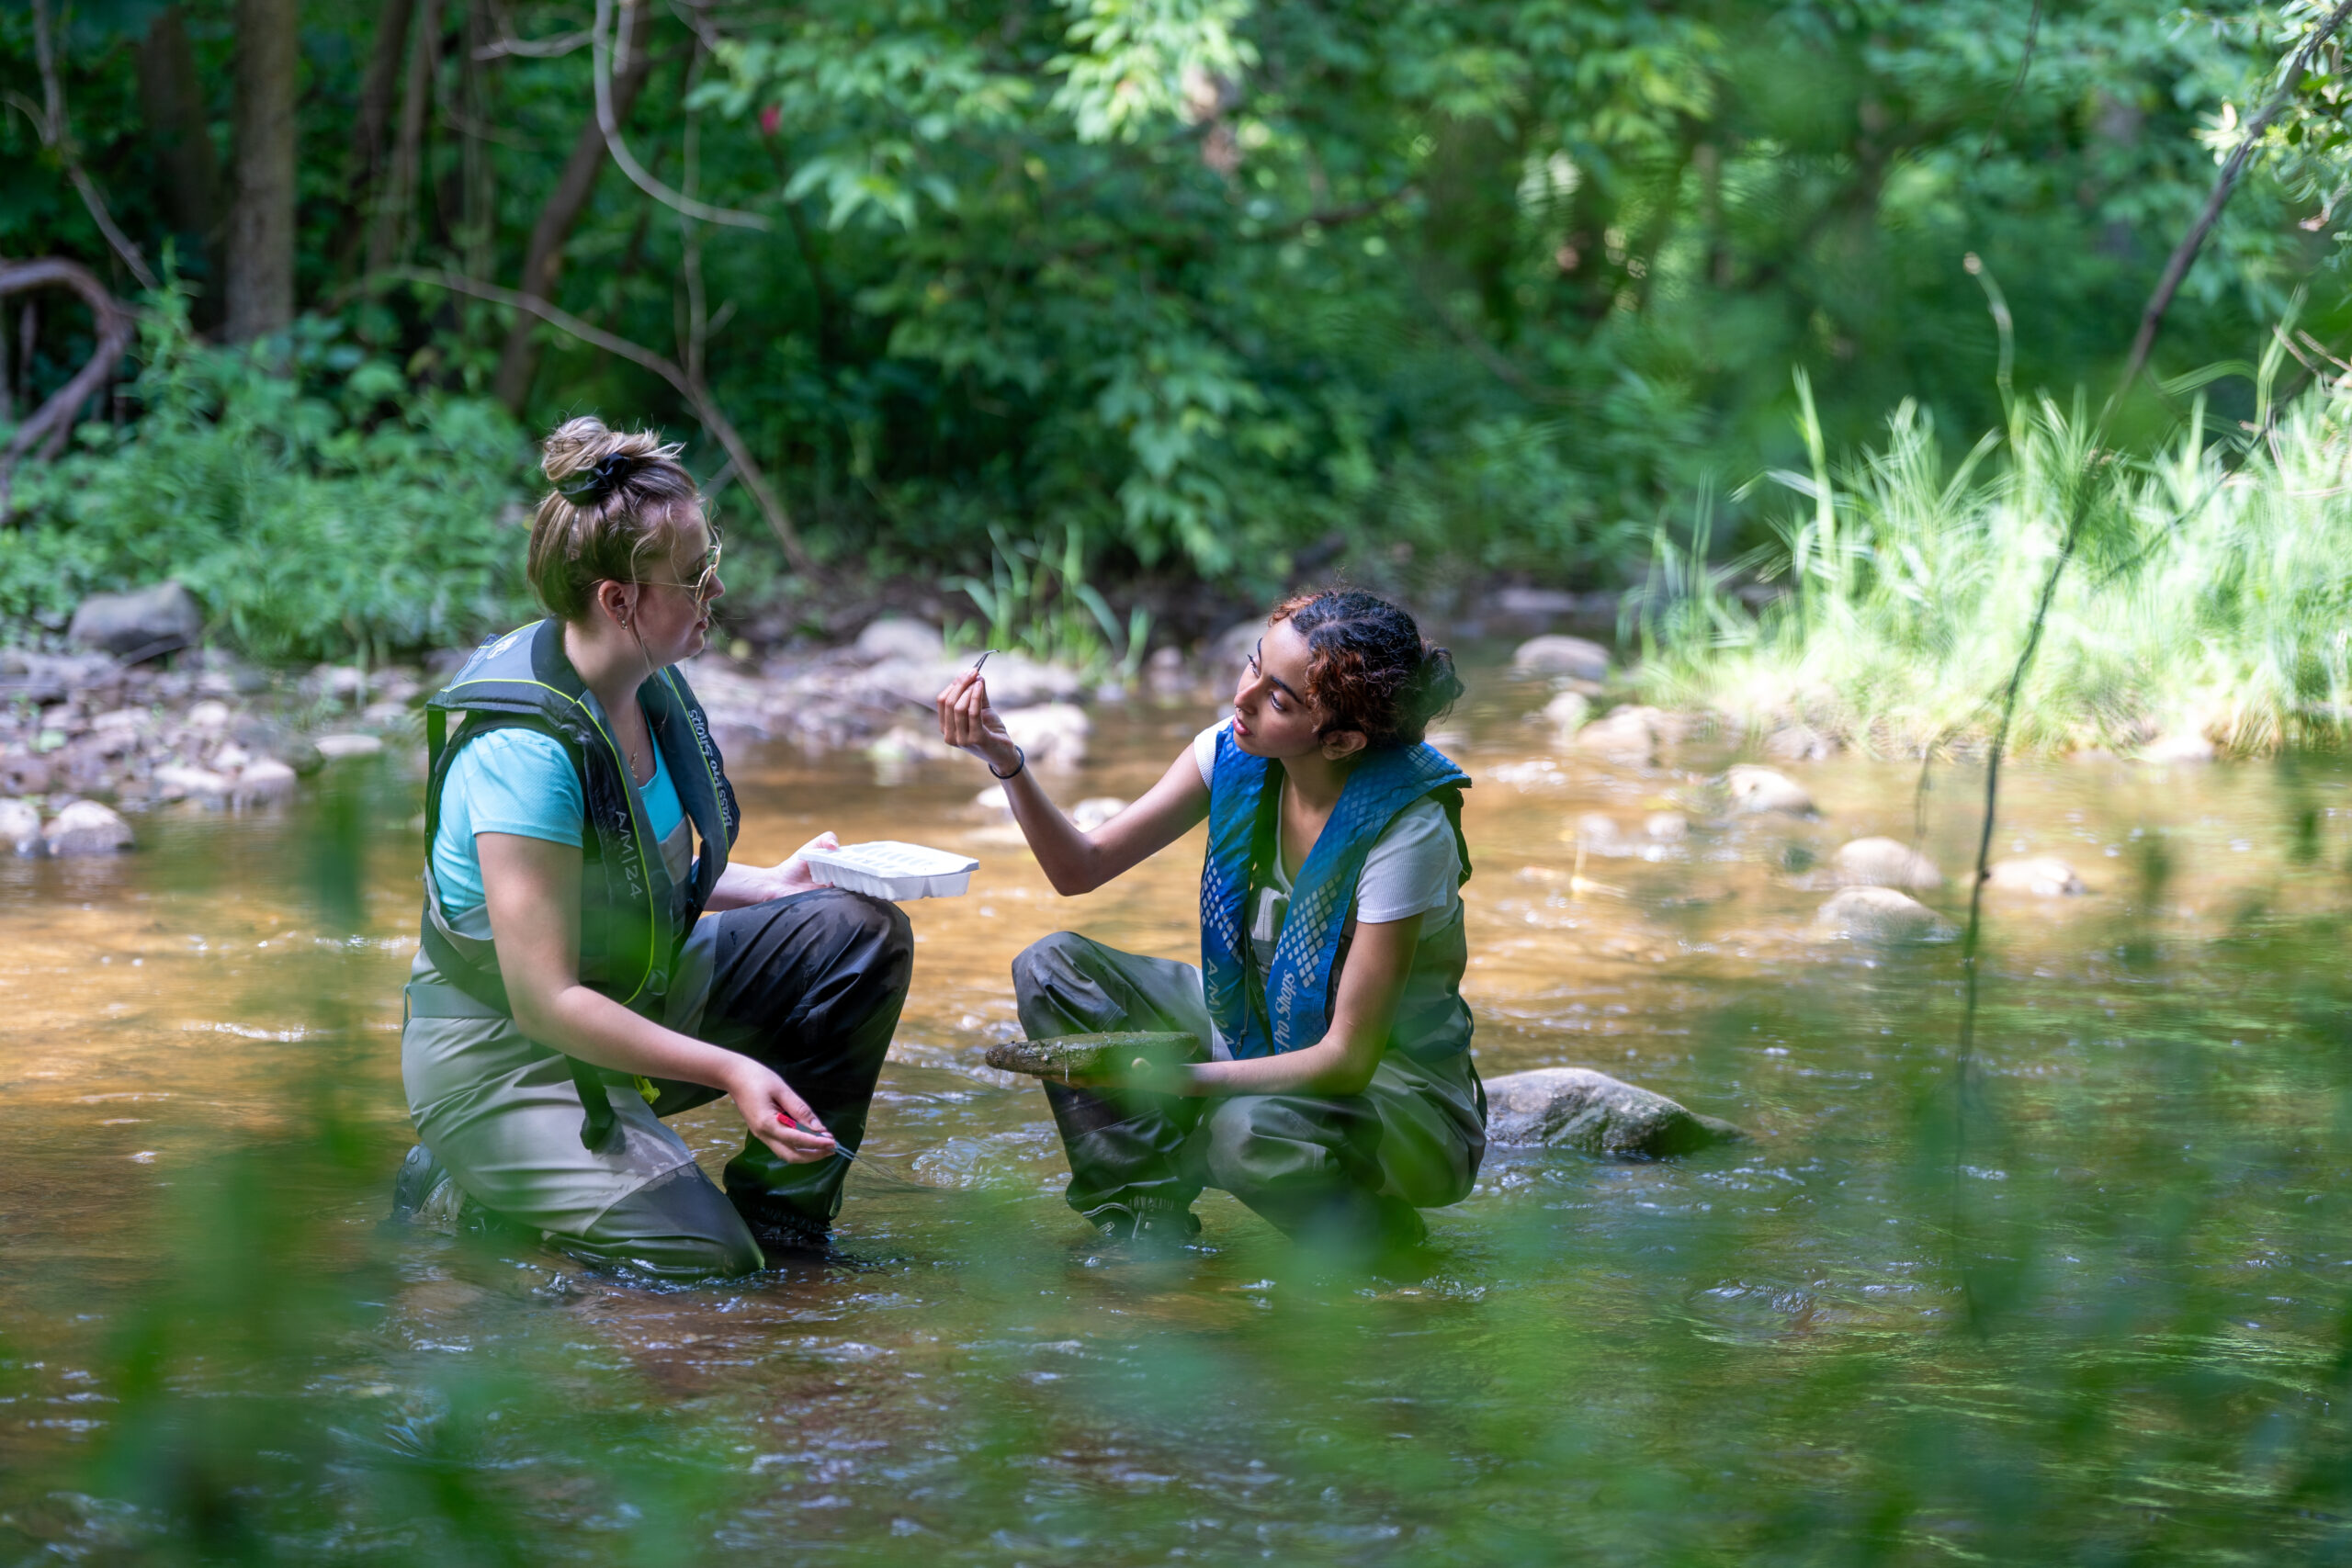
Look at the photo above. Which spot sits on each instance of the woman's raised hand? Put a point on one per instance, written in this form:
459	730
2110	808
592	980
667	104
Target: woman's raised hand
776	1116
968	723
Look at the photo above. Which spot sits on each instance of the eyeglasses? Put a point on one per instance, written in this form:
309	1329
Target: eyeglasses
706	582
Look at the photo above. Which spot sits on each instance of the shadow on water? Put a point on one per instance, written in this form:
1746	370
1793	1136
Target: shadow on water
211	1350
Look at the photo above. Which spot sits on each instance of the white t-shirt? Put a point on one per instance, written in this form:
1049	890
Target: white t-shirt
1412	869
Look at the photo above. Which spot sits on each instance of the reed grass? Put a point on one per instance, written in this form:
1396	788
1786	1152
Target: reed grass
2214	596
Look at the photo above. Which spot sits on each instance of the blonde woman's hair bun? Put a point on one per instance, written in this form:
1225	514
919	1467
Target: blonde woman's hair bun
616	498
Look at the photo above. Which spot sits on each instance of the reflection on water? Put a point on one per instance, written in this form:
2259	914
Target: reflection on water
2091	1308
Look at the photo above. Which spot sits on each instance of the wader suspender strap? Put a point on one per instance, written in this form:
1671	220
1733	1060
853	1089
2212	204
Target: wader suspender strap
599	1130
1262	849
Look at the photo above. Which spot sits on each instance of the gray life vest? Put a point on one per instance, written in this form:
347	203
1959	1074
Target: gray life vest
635	915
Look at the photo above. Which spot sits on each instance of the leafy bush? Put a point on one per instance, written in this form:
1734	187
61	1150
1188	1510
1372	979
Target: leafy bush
2204	601
335	511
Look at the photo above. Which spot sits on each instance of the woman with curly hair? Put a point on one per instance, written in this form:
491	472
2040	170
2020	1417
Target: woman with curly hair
1338	1096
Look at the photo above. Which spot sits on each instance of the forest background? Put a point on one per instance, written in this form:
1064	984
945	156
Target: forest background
1174	301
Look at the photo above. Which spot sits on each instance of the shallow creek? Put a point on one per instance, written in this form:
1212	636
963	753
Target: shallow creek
2090	1306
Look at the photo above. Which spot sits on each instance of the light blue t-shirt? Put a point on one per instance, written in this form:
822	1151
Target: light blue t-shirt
522	782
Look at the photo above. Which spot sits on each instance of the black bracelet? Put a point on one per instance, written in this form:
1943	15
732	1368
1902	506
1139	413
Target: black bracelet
1016	767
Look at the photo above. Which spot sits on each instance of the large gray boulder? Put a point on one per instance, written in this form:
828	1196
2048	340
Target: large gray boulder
1576	1107
151	621
1573	656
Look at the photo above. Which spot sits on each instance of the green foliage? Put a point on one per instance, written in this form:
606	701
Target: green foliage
331	512
2202	599
1214	283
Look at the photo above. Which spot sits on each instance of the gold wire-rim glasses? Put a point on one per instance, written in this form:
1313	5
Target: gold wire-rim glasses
704	582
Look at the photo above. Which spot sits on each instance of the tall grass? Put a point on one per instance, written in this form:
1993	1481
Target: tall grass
1036	600
2212	599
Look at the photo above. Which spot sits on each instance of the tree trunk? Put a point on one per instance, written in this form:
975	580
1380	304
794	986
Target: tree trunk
376	98
261	223
396	201
172	98
543	258
479	225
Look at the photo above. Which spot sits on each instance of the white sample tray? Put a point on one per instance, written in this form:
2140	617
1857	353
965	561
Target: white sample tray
889	869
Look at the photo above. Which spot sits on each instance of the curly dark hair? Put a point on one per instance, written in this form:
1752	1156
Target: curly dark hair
1368	667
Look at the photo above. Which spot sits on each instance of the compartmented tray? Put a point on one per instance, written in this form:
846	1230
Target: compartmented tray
889	869
1094	1054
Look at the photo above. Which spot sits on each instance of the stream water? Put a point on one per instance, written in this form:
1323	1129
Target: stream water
2093	1307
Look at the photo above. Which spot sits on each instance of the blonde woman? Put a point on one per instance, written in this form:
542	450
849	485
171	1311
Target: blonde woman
590	961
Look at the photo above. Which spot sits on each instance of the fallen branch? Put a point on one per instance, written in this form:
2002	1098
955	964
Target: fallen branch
690	387
48	424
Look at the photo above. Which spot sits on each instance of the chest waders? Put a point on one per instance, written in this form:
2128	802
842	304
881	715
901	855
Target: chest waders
634	915
1267	998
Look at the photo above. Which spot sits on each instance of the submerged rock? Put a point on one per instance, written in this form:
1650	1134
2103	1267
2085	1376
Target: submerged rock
20	827
1567	713
1885	863
2044	876
1667	827
1576	1107
1757	792
1626	735
1573	656
1096	810
85	827
1881	914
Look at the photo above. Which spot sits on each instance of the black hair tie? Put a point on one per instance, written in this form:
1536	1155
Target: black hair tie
594	485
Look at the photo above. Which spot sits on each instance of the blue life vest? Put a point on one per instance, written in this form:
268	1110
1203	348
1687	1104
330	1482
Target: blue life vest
1264	1007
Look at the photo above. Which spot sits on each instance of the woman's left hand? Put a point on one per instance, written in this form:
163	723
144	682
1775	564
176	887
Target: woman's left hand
793	874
